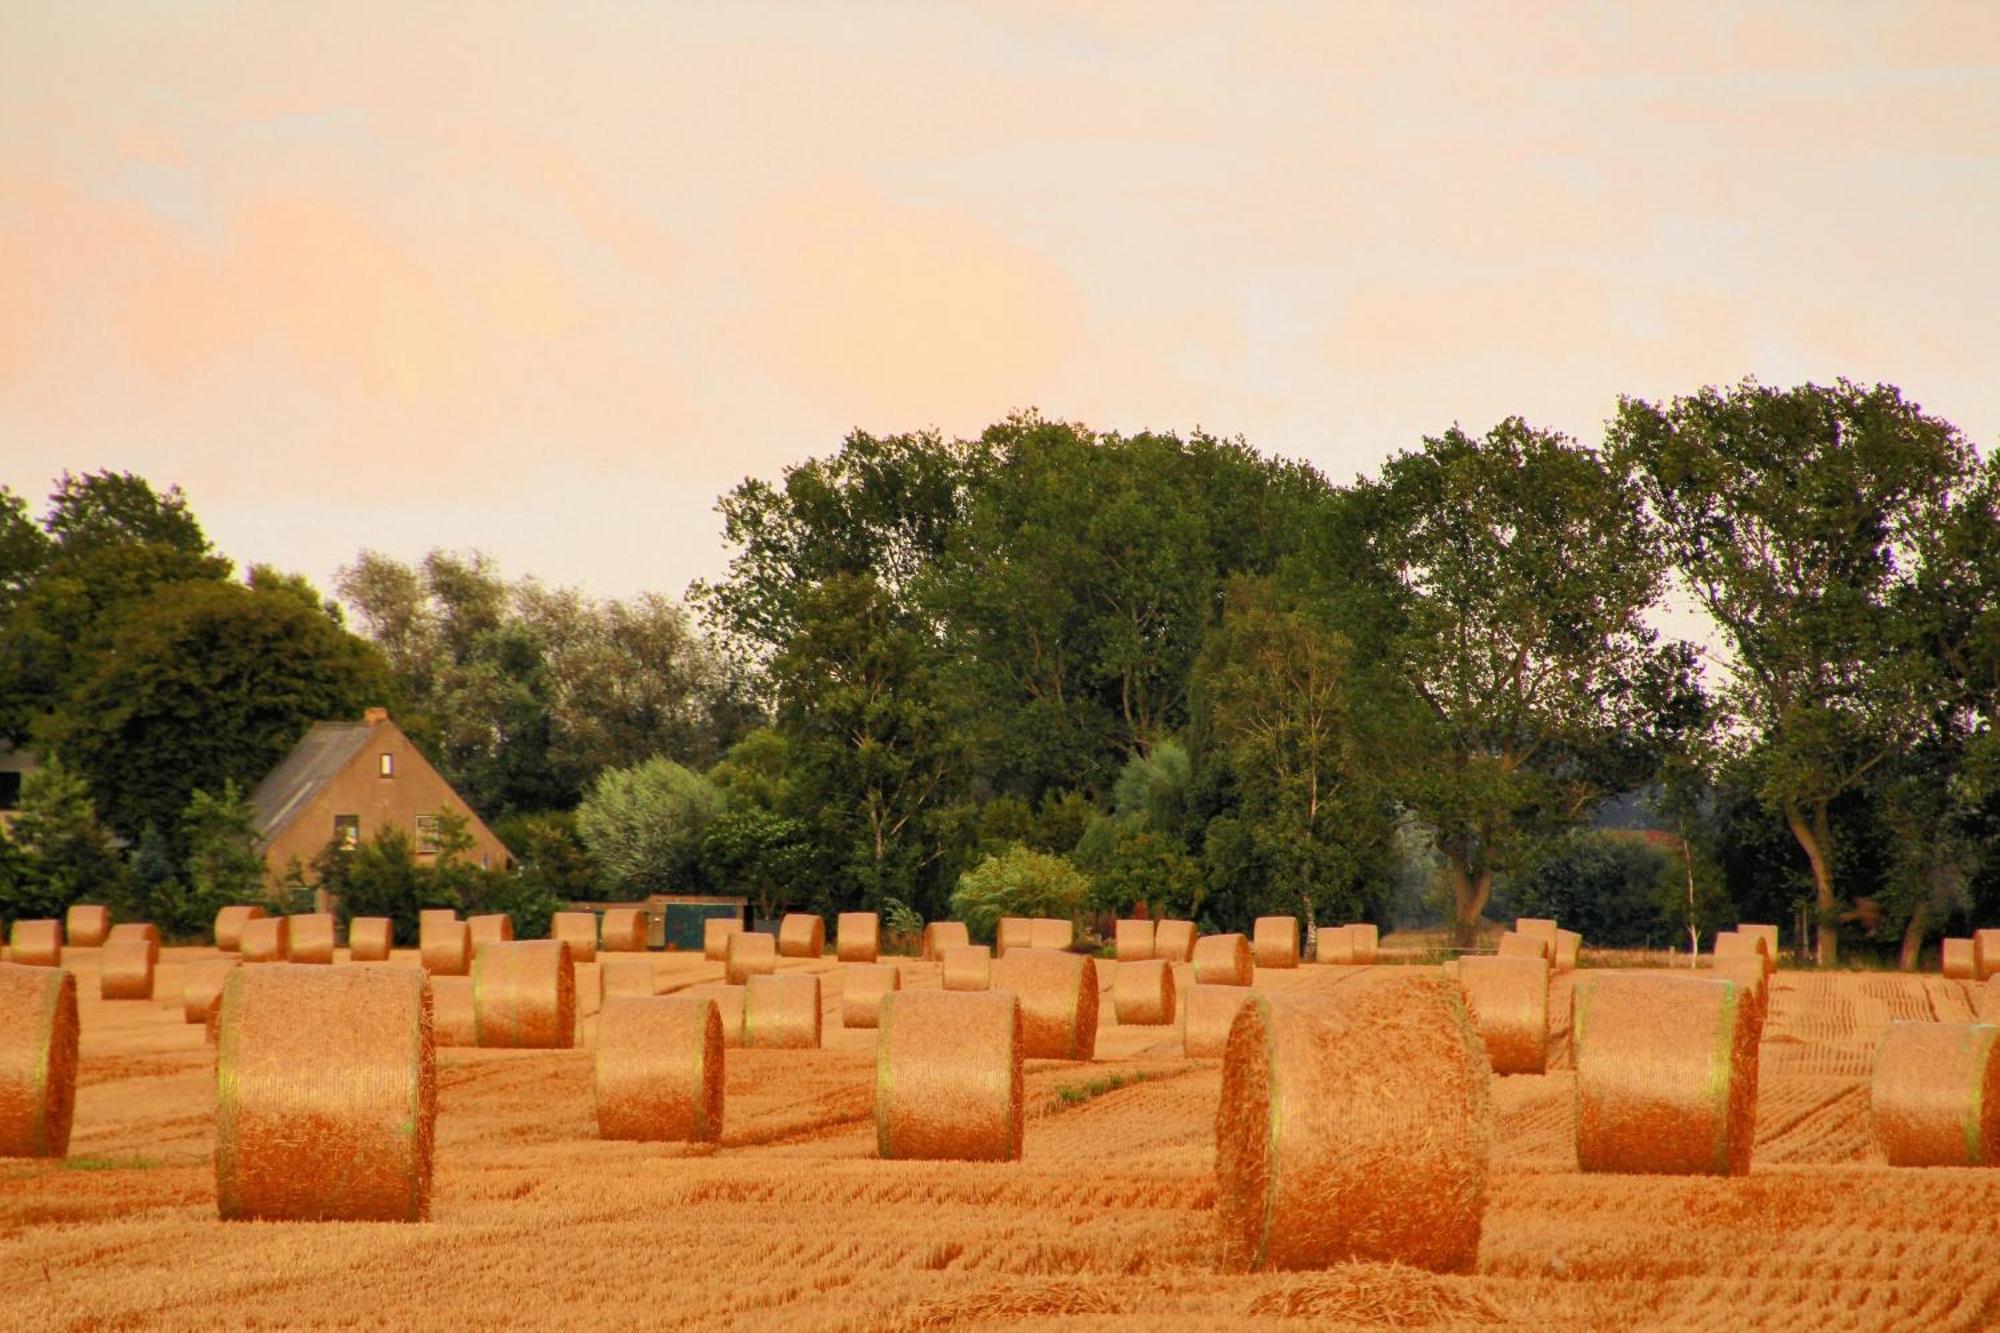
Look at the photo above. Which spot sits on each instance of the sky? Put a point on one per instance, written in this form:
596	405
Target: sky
545	280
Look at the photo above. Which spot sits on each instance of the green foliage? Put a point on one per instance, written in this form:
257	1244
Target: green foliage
1149	868
1019	882
644	826
66	855
550	853
762	855
1153	787
1618	889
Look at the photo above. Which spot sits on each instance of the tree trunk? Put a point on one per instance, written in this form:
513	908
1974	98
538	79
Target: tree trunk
1813	839
1470	891
1913	937
1312	930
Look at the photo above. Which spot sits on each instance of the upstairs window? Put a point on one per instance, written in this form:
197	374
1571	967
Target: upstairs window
427	835
386	766
347	832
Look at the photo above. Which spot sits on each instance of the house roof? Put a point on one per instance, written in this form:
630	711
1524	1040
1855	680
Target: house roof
290	787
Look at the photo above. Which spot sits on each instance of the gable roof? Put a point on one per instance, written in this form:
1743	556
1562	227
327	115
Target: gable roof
315	761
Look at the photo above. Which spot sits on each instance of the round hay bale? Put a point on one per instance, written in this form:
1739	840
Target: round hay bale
968	967
728	1002
229	925
579	931
751	953
1742	944
204	987
38	1036
858	937
659	1069
1666	1075
211	1029
1206	1014
524	994
125	969
1516	945
1985	953
1768	934
1986	1002
134	930
1568	945
624	930
942	935
801	935
1334	945
1959	960
309	938
1059	998
1133	941
948	1077
1045	932
265	939
1142	993
715	933
312	1129
1174	941
492	928
1223	960
781	1013
454	1018
1934	1098
1013	932
370	938
1541	927
445	945
1324	1099
1747	971
36	943
862	989
86	925
1274	941
625	976
1509	1002
1364	943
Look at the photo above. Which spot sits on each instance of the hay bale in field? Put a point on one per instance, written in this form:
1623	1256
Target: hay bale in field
1059	998
948	1077
1133	941
1986	1002
1985	953
942	935
1516	945
38	1036
1142	993
1666	1075
125	969
1747	971
1174	941
1509	1002
579	931
715	933
782	1012
312	1129
370	938
229	925
1223	960
86	925
1274	941
862	989
1959	960
1364	943
444	943
1539	927
968	967
454	1017
492	928
524	994
36	943
1327	1100
265	939
801	935
625	976
1013	932
1334	945
1738	944
858	937
728	1002
1568	945
204	987
1206	1013
659	1069
1934	1099
751	953
624	930
1768	934
1045	932
309	938
135	930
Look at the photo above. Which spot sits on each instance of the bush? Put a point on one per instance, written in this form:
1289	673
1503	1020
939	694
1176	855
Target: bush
644	826
1019	882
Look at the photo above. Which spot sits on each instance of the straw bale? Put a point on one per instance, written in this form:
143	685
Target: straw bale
579	931
524	994
38	1038
715	933
86	925
728	1002
1509	1001
948	1076
135	930
968	967
1513	944
1133	941
125	969
1985	953
1174	941
624	930
1666	1075
858	937
942	935
370	938
782	1012
1986	1001
1746	970
229	925
1768	934
1540	927
1048	933
444	943
1274	941
309	938
1142	993
204	987
1742	944
1206	1013
1013	932
36	943
801	935
265	939
1354	1125
862	989
751	953
1960	962
1059	998
1334	945
659	1069
1223	960
453	1015
1568	944
492	928
1934	1099
625	976
326	1102
1364	943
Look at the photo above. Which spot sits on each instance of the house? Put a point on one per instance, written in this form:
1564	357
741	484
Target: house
351	780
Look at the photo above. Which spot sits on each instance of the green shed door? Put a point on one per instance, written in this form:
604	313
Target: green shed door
684	922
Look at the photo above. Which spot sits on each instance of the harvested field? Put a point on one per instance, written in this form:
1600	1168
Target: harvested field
793	1223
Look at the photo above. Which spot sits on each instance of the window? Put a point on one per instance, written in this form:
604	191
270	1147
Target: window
427	835
386	766
347	832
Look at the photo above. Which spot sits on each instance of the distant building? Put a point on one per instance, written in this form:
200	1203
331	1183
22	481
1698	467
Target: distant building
351	780
15	765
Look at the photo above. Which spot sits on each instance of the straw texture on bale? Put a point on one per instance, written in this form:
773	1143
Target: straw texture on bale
1959	960
858	937
1223	960
1334	945
659	1069
135	930
524	994
1540	927
625	976
801	935
444	943
229	925
1046	932
942	935
265	939
751	953
715	933
1059	998
1934	1099
1747	971
624	930
1768	934
125	969
36	943
1133	941
1509	1001
452	1016
370	938
1327	1100
728	1002
782	1012
38	1038
1740	944
492	928
204	987
863	987
1142	993
309	938
1274	941
1666	1075
1364	943
1013	932
1174	941
1985	953
309	1128
1516	945
968	967
1568	943
579	931
948	1077
1206	1014
86	925
1986	1002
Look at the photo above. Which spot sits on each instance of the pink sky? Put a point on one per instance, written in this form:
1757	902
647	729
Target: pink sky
546	279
